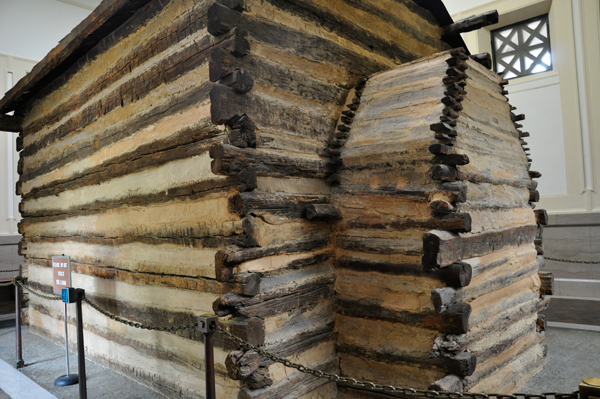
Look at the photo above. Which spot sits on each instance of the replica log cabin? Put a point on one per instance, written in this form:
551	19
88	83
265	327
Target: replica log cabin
338	180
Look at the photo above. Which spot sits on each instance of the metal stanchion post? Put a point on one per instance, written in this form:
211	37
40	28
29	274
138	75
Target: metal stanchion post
207	325
70	295
18	322
67	379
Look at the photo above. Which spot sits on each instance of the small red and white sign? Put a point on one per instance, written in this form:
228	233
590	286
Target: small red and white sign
61	272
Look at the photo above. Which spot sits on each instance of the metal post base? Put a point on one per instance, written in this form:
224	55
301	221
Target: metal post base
66	380
20	363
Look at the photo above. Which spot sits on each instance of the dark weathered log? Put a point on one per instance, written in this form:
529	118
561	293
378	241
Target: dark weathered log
239	80
442	248
441	206
457	275
478	177
10	123
451	103
459	222
322	212
453	321
222	19
241	364
223	59
541	216
243	132
523	134
484	59
516	118
534	196
19	143
541	323
539	246
547	279
441	127
440	149
230	160
288	205
226	104
251	330
247	283
444	298
462	364
451	159
444	173
471	23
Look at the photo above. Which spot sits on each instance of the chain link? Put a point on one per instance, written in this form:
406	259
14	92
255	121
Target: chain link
587	262
135	323
8	271
6	284
419	393
38	294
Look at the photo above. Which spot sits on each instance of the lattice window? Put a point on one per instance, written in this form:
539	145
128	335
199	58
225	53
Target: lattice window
523	48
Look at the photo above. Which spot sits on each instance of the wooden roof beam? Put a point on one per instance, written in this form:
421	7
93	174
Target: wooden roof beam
469	24
10	123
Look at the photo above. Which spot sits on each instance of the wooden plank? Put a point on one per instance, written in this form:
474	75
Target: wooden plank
442	248
10	123
471	23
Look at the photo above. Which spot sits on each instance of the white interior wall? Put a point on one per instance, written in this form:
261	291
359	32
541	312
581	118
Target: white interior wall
29	29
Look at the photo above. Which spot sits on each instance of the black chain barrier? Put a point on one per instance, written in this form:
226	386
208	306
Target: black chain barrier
412	392
586	262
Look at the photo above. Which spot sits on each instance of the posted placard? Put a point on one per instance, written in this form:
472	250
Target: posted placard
61	272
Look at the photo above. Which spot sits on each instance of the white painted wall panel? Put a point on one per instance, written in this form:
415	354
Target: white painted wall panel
540	101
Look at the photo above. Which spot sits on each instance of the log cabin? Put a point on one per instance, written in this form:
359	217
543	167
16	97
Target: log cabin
339	181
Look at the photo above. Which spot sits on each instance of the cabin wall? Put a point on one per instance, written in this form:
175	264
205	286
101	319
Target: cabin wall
115	173
437	266
303	58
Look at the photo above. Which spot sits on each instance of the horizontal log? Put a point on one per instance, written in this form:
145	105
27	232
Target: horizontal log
453	191
228	258
442	248
444	298
462	364
278	204
10	123
230	160
458	222
226	104
469	24
442	127
222	19
452	159
547	279
517	118
322	212
453	321
457	275
225	58
539	246
444	173
541	216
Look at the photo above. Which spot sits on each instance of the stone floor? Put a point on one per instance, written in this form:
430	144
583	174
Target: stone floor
572	356
45	361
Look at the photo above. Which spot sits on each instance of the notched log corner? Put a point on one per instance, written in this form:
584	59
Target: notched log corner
222	19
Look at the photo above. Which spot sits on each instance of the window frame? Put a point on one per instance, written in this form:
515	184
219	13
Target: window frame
521	53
